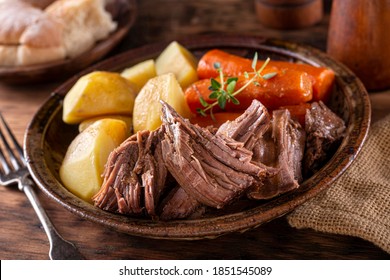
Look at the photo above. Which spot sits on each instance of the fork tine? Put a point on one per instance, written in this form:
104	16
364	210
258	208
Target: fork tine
4	164
15	160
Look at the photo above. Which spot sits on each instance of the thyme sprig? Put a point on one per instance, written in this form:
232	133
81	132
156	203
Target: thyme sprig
224	90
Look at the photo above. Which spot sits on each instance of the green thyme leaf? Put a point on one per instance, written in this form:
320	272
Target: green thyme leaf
231	79
215	85
269	75
234	100
214	95
217	65
231	86
254	62
222	102
203	102
246	75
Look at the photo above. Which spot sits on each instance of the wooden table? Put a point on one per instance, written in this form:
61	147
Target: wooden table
21	235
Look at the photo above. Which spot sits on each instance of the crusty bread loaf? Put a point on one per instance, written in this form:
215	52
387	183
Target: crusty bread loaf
66	28
86	21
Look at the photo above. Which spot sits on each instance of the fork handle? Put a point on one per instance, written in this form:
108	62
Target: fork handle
59	248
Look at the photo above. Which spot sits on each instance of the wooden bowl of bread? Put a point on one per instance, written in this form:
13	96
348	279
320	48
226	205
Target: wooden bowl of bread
46	40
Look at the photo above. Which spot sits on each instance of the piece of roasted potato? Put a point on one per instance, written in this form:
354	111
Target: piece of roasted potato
147	107
127	119
178	60
98	93
82	168
140	73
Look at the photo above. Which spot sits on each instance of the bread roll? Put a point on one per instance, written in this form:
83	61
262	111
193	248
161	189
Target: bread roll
28	35
15	17
8	55
42	42
85	22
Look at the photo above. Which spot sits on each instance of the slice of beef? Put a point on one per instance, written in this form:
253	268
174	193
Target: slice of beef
135	175
249	127
213	169
178	205
120	191
282	147
153	170
325	130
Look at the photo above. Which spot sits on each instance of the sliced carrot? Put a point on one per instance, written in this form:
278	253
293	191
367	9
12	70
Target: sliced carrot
219	119
233	65
288	87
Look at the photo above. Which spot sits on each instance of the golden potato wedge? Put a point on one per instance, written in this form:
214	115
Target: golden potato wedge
127	119
98	93
178	60
83	165
140	73
147	107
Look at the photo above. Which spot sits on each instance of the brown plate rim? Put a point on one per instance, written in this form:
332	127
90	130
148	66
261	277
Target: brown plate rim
216	226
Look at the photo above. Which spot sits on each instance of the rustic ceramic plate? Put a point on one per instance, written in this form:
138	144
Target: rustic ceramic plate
47	139
124	14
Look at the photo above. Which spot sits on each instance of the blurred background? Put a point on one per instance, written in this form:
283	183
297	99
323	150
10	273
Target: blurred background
217	16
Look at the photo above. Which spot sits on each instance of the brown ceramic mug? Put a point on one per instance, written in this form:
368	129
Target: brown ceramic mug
359	37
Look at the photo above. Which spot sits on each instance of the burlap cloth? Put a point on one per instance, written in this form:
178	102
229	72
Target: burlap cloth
358	203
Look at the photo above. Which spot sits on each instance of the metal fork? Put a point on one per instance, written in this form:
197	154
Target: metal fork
13	170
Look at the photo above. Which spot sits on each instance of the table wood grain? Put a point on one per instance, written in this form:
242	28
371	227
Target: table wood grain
21	234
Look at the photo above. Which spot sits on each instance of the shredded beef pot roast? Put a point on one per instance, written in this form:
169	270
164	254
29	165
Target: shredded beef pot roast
281	147
135	175
325	131
247	129
253	156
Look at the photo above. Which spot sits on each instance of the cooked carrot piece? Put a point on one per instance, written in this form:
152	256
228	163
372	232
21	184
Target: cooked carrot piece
288	87
322	77
233	65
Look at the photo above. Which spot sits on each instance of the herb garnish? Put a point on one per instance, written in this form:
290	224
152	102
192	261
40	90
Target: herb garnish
225	91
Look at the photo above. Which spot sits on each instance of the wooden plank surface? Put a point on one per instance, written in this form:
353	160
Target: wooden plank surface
22	236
